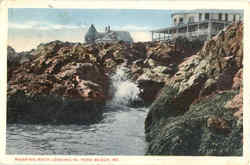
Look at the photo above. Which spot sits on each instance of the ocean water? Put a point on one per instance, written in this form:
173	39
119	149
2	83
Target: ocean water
121	132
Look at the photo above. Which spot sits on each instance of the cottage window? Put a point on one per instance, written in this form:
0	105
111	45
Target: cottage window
226	17
207	16
234	18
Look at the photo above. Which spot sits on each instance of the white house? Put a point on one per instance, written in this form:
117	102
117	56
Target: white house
202	24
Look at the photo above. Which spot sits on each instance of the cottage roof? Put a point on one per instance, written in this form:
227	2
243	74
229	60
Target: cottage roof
116	36
91	34
123	35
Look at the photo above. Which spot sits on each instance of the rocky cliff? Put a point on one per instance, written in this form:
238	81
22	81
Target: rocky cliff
199	110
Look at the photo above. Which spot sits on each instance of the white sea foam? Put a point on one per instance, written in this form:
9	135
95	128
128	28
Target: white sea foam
124	90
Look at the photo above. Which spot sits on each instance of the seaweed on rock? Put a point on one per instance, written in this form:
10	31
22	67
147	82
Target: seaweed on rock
207	128
51	109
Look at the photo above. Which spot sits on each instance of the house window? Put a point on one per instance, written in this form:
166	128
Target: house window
220	16
226	17
206	16
200	16
175	21
181	20
234	18
191	19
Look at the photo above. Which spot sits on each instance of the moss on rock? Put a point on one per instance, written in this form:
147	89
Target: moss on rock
189	134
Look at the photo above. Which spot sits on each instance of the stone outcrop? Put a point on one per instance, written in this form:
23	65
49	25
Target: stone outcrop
15	59
61	84
196	112
161	64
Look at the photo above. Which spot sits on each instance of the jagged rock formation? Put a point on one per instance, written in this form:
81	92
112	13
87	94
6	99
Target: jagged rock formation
64	74
17	58
195	112
61	84
161	64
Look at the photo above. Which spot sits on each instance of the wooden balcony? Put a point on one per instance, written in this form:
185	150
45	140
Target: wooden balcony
190	30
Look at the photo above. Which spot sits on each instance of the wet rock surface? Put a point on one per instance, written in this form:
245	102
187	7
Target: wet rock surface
196	112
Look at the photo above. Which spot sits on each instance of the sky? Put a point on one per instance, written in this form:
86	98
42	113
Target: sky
31	26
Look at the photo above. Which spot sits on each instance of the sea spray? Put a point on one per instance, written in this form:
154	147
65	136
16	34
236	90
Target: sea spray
123	90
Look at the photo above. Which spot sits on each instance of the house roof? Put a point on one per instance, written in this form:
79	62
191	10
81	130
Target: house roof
123	35
207	11
116	36
93	35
